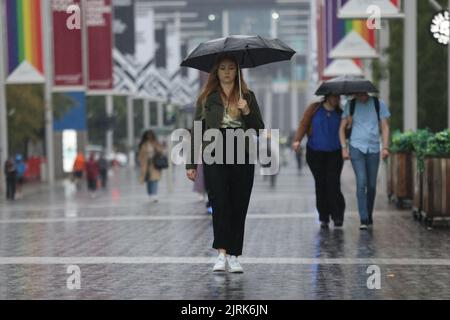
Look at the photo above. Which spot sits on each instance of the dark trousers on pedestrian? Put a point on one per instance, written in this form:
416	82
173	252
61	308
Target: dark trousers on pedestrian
104	177
11	188
327	168
92	184
229	188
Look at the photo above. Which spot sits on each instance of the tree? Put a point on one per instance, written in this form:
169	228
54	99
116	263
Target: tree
96	120
26	114
25	107
432	84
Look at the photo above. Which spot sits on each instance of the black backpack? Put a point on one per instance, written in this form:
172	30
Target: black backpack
348	130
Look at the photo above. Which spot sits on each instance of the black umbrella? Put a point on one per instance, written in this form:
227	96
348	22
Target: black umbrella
249	51
346	85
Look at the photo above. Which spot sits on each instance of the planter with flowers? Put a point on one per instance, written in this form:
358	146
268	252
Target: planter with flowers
436	178
420	143
400	181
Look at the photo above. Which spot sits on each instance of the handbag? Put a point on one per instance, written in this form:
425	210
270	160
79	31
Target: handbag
160	161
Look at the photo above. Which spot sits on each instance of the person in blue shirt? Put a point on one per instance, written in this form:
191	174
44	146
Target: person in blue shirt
321	123
364	148
21	167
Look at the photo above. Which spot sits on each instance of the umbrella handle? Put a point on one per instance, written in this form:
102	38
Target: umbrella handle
239	76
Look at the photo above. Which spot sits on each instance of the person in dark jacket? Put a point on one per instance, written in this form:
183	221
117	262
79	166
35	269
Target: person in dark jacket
221	106
321	123
11	179
103	167
92	174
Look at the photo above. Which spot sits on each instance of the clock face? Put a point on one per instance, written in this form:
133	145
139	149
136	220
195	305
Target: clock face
440	27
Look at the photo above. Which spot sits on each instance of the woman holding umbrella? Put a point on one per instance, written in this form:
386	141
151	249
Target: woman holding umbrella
229	185
321	124
226	104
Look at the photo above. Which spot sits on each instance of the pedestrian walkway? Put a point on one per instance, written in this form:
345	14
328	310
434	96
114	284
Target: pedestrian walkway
129	248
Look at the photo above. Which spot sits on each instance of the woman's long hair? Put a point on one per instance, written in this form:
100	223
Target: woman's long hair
338	108
213	84
148	135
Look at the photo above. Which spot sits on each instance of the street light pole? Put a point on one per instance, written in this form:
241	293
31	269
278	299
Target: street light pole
274	24
410	67
438	7
48	94
3	108
448	79
225	23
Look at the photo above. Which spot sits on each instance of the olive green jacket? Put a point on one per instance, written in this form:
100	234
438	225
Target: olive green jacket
212	116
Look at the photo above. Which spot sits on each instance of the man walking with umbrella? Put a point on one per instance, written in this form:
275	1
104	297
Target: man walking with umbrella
361	122
227	104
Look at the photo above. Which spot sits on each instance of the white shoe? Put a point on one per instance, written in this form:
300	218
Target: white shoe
221	264
234	266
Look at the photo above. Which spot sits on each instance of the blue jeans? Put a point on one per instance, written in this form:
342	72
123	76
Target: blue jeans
366	171
152	187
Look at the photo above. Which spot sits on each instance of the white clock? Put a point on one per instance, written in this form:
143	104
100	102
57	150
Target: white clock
440	27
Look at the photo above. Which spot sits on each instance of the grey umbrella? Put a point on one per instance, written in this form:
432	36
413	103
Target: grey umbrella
346	85
249	51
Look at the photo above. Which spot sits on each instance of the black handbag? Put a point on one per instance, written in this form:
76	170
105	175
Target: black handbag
160	161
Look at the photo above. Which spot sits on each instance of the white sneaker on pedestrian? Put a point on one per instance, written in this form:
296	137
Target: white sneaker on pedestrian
221	264
234	266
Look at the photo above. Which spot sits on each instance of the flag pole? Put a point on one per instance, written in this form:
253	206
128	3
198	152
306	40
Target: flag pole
3	108
47	45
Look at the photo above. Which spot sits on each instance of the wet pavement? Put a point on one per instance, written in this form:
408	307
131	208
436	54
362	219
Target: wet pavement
126	247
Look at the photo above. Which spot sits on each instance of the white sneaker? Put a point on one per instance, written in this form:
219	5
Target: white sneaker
234	266
221	263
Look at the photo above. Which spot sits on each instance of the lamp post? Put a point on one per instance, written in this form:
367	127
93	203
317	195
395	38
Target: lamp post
410	66
438	7
3	109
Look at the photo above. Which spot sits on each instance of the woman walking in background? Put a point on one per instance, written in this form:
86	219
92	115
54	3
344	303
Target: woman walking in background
10	175
92	174
149	147
321	123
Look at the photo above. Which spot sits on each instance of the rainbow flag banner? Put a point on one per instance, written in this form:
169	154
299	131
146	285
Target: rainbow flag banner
332	31
25	49
358	9
358	41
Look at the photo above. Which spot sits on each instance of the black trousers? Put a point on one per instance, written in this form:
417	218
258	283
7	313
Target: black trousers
327	168
229	188
11	188
92	184
104	177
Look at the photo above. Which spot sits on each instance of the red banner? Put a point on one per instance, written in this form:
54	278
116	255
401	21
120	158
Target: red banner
100	44
67	43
